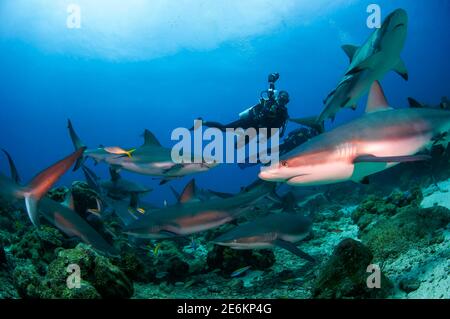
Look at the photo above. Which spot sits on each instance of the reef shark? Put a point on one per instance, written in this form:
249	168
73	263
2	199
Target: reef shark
59	215
128	206
191	215
275	230
378	140
151	158
117	187
368	63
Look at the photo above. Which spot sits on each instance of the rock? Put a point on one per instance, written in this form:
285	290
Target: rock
96	270
408	284
344	274
2	256
411	227
26	279
229	260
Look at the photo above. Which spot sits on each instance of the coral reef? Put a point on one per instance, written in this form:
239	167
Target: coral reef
344	275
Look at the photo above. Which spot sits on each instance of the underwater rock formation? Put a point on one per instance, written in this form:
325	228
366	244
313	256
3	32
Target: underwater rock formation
96	270
412	227
344	274
228	260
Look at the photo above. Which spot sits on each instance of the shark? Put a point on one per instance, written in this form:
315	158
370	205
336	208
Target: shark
62	216
369	62
192	215
117	187
382	138
151	158
126	203
276	230
11	189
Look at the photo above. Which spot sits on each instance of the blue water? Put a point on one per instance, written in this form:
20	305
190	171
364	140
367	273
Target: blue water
111	101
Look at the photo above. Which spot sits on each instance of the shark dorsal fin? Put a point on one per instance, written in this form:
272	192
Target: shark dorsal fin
350	50
12	167
376	101
188	193
150	139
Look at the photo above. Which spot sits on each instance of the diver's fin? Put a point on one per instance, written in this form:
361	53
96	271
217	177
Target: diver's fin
312	122
188	193
401	69
391	159
150	139
414	103
77	143
350	50
376	100
366	64
12	167
293	249
39	186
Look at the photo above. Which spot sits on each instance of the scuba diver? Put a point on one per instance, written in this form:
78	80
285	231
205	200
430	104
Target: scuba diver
270	112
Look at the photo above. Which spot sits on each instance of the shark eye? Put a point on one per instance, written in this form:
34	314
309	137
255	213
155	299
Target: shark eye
284	163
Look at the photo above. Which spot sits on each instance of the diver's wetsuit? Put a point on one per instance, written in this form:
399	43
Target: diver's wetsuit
270	112
259	117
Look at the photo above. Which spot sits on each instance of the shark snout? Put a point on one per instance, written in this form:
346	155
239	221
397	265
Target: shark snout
397	19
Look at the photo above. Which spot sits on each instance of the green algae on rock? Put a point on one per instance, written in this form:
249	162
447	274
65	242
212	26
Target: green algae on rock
345	274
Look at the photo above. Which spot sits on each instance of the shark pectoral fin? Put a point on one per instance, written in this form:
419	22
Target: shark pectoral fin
401	69
293	249
350	51
31	204
368	63
390	159
168	234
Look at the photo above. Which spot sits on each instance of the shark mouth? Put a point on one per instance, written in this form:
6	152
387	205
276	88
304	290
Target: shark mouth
292	177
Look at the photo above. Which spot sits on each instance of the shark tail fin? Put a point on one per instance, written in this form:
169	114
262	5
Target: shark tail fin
77	143
40	184
311	122
12	167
